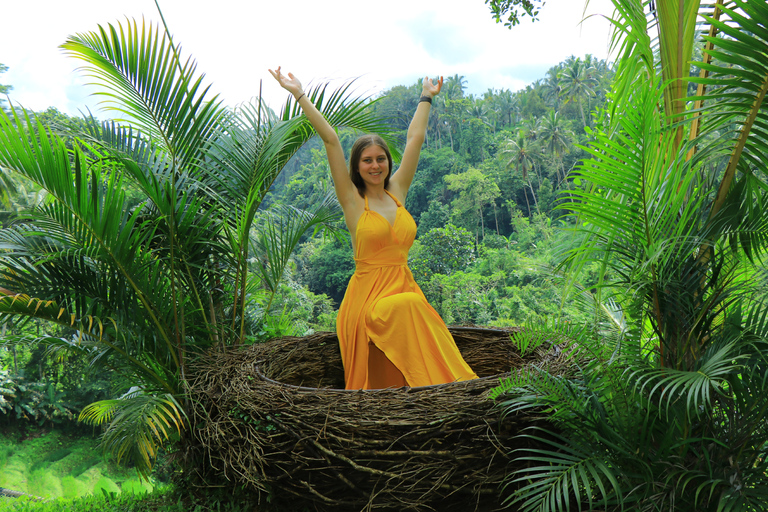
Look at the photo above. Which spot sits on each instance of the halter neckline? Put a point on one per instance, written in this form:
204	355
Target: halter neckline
389	194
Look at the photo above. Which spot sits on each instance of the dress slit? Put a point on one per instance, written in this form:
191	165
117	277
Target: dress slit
389	335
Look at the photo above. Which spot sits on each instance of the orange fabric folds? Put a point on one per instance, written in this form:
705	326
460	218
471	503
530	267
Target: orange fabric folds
388	333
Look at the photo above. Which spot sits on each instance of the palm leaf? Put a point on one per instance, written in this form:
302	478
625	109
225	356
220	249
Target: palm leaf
146	81
138	424
281	232
67	243
677	26
695	388
737	85
633	47
560	474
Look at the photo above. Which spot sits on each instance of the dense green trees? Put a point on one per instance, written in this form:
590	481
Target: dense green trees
442	251
4	89
144	288
325	266
489	166
665	409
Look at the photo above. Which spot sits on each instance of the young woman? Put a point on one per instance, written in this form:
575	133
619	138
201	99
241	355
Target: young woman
389	335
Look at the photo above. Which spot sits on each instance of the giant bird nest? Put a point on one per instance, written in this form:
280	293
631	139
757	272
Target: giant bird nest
274	418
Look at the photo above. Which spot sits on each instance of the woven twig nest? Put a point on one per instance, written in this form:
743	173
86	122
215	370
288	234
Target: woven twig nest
274	417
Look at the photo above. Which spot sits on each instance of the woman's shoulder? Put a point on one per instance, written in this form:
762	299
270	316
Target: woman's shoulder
353	208
397	192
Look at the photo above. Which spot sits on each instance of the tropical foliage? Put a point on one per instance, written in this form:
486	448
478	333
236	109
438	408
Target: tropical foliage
504	283
34	401
665	409
151	245
510	9
4	89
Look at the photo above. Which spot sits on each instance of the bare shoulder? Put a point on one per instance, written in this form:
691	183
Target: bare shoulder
348	196
353	207
396	189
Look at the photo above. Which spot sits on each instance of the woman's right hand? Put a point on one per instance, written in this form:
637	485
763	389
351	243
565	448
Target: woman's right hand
345	189
290	83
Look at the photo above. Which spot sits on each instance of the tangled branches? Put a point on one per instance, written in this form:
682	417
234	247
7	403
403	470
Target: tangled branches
274	418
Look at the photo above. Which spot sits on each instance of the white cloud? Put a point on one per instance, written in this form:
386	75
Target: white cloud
386	44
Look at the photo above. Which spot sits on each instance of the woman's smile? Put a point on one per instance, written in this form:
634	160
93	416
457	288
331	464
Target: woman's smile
373	165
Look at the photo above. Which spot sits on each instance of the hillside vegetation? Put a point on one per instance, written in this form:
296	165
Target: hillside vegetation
53	465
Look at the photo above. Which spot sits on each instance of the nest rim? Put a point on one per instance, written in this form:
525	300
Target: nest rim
407	389
273	417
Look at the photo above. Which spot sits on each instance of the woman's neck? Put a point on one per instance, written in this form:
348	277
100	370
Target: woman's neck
376	192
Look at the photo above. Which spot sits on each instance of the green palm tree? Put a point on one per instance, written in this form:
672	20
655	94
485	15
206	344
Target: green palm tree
508	108
501	105
556	136
532	128
552	87
145	289
578	83
478	109
523	155
666	408
436	124
454	87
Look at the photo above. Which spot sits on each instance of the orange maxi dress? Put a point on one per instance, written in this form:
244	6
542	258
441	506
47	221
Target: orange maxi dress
388	333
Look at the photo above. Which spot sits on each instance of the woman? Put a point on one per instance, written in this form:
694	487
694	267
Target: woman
389	335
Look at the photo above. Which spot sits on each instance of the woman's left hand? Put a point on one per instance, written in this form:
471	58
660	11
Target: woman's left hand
431	89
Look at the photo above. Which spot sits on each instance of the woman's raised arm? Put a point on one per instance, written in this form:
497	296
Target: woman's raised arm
417	130
345	189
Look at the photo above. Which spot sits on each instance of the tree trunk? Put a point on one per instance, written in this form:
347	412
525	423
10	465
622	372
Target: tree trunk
525	194
535	201
482	224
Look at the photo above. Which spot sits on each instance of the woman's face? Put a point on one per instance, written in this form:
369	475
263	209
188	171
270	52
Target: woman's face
373	165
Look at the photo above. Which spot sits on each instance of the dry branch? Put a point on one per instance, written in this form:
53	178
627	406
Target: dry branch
274	418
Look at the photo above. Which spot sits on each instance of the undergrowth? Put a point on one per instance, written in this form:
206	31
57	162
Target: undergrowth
158	501
54	465
70	474
163	499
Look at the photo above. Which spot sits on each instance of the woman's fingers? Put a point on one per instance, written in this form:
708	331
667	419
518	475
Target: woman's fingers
276	74
433	87
290	83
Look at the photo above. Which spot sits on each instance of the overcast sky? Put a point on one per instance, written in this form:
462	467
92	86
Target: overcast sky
386	43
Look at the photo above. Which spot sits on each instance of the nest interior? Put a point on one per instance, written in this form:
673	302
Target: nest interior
275	418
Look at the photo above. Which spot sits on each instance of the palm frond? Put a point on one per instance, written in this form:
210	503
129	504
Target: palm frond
694	388
633	46
147	82
563	476
283	229
138	425
677	27
737	84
